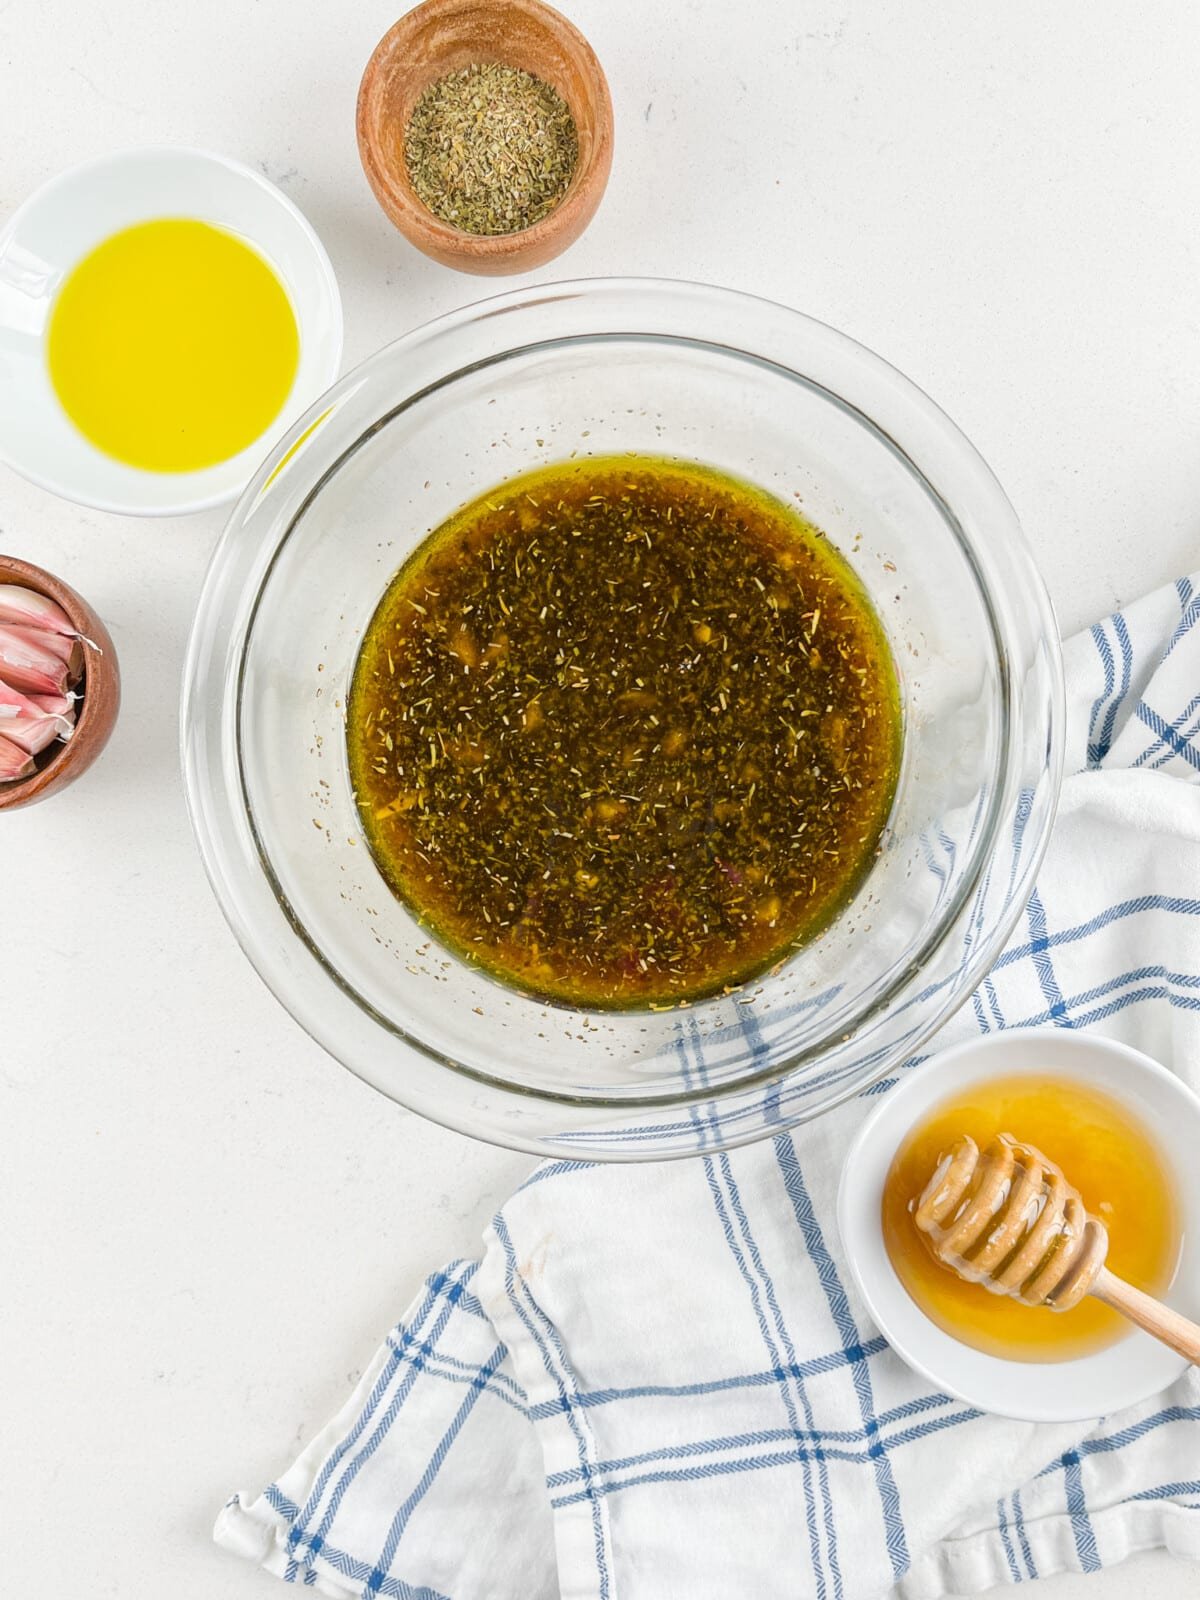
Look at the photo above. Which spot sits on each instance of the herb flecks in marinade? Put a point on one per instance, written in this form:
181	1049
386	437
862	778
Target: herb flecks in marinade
624	731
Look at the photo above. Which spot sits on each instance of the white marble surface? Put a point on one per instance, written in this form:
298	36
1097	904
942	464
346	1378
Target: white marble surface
207	1224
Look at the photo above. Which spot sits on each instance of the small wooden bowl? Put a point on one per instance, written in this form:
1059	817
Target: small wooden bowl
441	36
100	689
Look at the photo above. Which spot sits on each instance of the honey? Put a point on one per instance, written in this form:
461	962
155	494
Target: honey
1105	1152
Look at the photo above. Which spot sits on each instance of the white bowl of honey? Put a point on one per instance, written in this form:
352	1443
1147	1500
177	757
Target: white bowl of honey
1122	1128
164	315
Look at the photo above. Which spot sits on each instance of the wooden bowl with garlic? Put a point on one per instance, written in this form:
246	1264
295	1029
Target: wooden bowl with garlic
60	685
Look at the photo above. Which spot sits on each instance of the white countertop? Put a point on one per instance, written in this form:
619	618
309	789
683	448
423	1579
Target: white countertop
209	1224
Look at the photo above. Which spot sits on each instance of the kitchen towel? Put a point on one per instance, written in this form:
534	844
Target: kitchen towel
659	1380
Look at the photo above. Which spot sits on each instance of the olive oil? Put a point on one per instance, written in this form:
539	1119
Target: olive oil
1105	1153
173	345
624	731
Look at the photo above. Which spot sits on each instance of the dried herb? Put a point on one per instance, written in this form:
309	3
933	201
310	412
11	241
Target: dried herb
624	731
490	148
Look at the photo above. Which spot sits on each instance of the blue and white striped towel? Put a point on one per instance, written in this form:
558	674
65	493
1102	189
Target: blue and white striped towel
659	1381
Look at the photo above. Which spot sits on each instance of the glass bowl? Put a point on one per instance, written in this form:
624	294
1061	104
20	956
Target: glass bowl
610	366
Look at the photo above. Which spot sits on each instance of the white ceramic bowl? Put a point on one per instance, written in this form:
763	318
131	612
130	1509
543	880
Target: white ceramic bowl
1132	1369
66	219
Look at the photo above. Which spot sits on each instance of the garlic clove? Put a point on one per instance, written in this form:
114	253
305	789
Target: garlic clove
15	704
27	609
33	734
68	648
26	665
52	705
14	762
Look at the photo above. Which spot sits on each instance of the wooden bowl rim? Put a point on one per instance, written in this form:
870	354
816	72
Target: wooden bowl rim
417	219
85	621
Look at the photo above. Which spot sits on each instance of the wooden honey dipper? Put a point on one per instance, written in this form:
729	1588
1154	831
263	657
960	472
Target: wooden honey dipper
1009	1220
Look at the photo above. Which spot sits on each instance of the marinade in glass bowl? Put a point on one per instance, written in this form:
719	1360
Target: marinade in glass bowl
563	374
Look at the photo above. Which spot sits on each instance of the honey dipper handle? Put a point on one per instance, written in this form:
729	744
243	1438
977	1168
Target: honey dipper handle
1158	1320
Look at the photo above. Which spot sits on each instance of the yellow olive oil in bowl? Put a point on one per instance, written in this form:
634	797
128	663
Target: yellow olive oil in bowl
624	732
173	345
